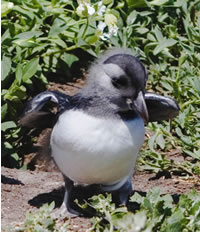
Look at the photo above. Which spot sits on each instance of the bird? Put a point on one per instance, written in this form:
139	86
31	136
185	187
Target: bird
98	133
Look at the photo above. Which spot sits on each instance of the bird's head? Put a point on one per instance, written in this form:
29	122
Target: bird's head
122	77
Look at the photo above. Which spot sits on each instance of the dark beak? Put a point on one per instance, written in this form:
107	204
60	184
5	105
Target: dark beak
141	107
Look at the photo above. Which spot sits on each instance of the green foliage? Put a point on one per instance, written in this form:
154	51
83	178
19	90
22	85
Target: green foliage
156	162
156	213
42	221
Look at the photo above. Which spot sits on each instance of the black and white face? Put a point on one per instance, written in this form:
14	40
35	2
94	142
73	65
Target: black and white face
126	77
126	74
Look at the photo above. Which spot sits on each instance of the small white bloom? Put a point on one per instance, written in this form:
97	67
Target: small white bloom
85	9
90	9
81	10
101	26
100	3
10	5
101	8
113	29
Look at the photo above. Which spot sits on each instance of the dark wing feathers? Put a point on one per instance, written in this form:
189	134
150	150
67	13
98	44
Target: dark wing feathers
34	117
160	107
48	96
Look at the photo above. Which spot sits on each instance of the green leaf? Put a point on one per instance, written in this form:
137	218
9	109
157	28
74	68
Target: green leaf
15	93
26	39
158	2
5	67
26	43
15	156
8	125
175	221
158	34
182	59
59	42
27	35
164	44
160	141
137	3
4	110
154	195
107	2
5	36
137	198
93	39
30	69
18	73
151	141
6	7
195	82
69	59
142	30
132	17
195	155
59	25
25	12
166	85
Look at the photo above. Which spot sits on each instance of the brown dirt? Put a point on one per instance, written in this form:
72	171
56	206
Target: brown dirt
28	190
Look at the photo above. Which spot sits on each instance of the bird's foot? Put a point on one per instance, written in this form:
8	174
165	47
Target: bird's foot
62	213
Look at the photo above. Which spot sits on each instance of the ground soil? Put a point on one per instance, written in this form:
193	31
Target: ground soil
28	190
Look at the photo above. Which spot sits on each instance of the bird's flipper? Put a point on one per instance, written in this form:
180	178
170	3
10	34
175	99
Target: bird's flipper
34	114
160	107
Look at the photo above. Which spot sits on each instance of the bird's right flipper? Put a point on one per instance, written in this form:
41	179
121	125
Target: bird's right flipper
160	107
35	116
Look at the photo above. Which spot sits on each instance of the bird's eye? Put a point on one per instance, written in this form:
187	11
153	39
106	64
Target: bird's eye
120	82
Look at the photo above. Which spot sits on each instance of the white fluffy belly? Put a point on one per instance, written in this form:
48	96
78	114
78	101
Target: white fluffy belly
92	150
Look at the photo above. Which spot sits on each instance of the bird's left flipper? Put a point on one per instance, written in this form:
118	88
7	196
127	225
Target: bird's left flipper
160	107
34	116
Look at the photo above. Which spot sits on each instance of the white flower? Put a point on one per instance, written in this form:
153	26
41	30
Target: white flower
91	9
113	29
101	8
101	26
80	10
10	5
85	9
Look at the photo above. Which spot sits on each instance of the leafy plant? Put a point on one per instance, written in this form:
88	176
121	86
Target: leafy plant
156	213
156	162
42	221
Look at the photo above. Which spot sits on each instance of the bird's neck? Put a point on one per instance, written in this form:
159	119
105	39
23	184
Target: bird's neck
99	102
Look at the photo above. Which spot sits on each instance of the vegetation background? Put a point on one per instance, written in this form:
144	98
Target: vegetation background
47	40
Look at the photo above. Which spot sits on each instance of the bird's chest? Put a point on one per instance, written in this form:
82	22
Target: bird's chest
91	149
